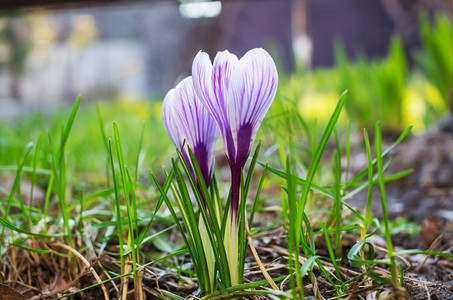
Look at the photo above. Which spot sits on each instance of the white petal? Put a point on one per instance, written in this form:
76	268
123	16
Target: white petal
186	118
222	68
167	117
251	91
193	121
202	82
211	84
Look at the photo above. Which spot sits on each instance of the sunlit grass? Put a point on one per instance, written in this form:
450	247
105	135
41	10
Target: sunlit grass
125	215
86	148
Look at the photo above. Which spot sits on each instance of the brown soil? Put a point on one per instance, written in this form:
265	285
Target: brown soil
46	276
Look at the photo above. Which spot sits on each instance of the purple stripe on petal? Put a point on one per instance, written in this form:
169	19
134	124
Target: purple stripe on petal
222	68
202	75
186	119
201	154
251	91
211	84
244	141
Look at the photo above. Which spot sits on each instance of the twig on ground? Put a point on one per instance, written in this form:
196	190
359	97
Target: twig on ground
432	247
88	265
258	260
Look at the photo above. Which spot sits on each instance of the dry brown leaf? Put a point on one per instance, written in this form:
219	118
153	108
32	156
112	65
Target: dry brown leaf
430	231
8	293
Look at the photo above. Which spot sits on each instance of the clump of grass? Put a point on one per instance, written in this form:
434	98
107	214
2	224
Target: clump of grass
111	239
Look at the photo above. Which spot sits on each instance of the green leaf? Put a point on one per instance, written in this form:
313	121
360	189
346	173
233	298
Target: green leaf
355	260
40	251
19	230
308	265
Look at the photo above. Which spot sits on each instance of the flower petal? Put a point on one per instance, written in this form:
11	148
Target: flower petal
202	75
211	84
186	118
251	92
167	117
222	68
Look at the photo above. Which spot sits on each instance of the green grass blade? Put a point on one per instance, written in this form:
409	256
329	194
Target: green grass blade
117	205
16	184
293	239
128	193
209	208
388	233
425	252
33	178
105	142
39	171
19	230
313	186
331	252
173	213
370	186
137	161
166	186
70	122
359	260
364	172
102	129
40	251
192	223
316	159
337	206
308	265
257	196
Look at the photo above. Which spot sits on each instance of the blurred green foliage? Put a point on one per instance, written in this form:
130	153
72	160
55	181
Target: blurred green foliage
436	56
86	148
403	225
376	88
389	90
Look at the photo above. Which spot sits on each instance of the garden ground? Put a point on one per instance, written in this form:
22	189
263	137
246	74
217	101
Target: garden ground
425	197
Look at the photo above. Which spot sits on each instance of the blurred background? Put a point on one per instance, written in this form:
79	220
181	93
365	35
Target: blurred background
132	49
51	51
394	56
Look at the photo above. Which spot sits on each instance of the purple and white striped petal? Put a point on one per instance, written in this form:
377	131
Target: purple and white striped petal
202	76
167	117
238	94
251	91
222	69
211	81
186	118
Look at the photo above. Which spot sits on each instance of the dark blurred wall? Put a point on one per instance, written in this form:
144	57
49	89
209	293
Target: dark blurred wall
257	24
359	24
173	41
142	49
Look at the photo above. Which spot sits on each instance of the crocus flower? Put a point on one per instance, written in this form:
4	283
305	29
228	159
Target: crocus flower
238	94
189	123
186	119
